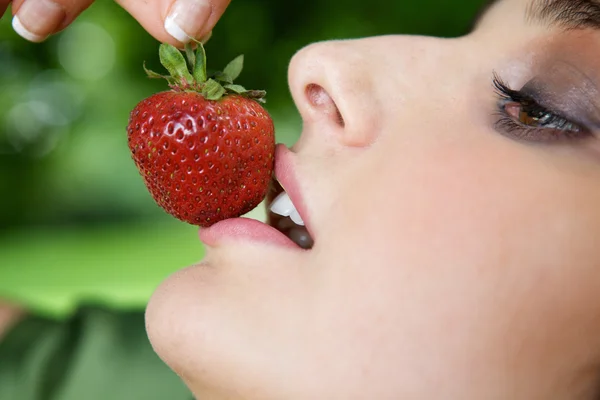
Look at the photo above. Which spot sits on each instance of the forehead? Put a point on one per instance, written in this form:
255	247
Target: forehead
563	14
486	7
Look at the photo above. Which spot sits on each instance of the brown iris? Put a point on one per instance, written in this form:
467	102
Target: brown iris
523	114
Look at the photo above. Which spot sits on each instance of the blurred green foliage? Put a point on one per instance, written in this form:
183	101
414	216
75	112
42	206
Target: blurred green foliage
75	219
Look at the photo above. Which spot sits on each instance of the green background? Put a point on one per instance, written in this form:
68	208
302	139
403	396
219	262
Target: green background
76	222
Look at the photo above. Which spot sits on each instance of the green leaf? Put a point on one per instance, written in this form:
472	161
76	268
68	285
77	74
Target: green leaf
239	89
191	57
234	68
153	75
173	61
256	94
212	90
200	67
222	77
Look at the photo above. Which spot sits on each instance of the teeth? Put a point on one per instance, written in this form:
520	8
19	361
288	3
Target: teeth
282	205
296	218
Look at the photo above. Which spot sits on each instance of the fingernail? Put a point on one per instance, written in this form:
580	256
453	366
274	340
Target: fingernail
187	18
38	19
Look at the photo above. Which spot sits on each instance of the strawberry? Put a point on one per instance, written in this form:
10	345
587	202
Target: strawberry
205	148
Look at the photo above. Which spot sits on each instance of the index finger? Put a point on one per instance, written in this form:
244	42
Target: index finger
176	21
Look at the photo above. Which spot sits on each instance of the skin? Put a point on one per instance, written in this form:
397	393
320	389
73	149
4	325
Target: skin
450	260
150	14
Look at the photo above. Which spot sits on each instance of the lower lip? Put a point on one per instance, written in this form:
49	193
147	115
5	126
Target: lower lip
243	229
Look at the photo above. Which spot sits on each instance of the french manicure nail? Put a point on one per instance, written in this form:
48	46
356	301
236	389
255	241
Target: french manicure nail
187	18
38	19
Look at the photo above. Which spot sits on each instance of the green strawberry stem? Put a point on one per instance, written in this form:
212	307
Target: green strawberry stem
189	73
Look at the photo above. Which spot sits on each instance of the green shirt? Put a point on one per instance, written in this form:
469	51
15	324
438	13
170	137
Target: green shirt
97	354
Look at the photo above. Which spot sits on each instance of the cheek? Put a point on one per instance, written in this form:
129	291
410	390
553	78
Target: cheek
490	201
490	246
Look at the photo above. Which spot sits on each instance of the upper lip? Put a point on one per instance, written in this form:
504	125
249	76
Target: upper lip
286	176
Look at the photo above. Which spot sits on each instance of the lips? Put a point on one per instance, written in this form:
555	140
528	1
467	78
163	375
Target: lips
284	216
286	209
288	223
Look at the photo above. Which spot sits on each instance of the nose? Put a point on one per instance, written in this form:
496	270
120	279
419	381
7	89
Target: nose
334	92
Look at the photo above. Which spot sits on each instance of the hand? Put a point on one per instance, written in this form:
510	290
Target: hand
171	21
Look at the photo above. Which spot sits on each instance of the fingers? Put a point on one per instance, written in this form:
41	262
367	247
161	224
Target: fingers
173	21
35	20
177	21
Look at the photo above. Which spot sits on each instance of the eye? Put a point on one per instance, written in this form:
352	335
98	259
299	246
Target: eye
522	117
533	115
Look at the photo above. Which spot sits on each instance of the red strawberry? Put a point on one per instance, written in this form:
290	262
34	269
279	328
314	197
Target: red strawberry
206	147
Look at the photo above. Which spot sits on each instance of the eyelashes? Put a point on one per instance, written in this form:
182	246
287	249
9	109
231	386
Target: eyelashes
522	117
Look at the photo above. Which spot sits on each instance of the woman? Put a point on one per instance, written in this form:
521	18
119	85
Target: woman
449	187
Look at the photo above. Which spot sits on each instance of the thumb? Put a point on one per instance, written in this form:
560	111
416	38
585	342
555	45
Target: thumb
176	21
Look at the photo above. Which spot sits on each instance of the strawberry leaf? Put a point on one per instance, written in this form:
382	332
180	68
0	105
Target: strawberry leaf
222	77
234	68
191	57
187	72
212	90
200	67
173	61
153	75
235	88
255	94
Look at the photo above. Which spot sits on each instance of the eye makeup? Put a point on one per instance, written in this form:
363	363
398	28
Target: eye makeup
560	101
520	116
564	88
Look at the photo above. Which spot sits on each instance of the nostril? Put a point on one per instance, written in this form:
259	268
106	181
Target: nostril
320	99
317	96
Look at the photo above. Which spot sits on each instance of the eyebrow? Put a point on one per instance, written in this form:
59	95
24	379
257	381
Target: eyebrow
565	14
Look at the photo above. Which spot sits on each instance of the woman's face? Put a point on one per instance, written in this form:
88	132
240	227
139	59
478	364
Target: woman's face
456	230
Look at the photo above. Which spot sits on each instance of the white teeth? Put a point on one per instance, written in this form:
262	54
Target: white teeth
296	218
282	205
